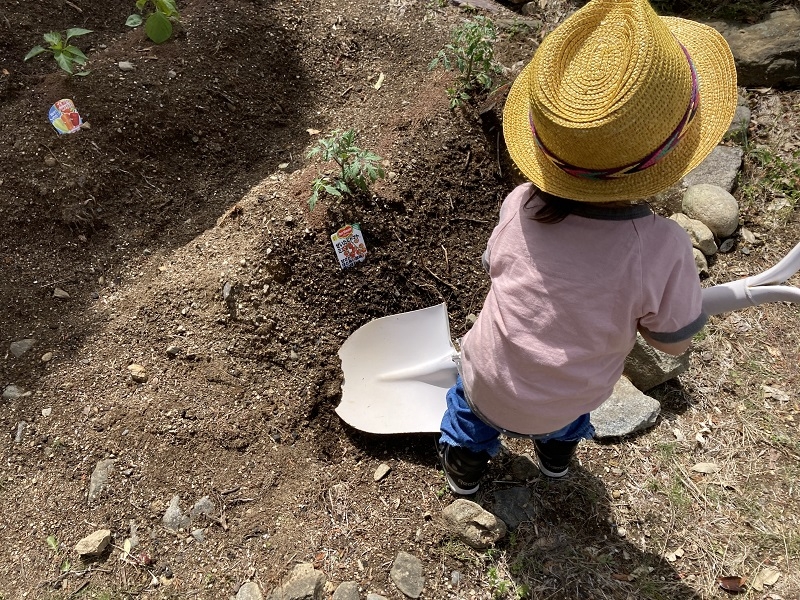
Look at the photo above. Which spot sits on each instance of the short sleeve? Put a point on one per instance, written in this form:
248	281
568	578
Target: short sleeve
672	303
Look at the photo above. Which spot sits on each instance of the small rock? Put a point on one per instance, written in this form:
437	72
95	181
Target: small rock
99	478
747	235
20	347
20	430
249	591
61	294
199	534
303	583
627	411
47	357
50	161
472	524
172	74
381	472
125	65
700	261
714	206
46	412
514	506
727	245
523	468
13	392
283	166
173	351
471	318
372	596
138	373
94	544
173	517
203	507
407	574
701	236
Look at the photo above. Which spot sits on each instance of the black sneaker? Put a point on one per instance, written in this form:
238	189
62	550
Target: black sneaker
463	468
554	457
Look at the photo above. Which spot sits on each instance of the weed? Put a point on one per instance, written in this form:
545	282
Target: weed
357	168
65	54
158	25
471	52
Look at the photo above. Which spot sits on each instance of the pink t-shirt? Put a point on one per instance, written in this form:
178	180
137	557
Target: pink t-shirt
564	305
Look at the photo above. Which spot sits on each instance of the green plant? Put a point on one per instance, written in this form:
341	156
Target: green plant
158	25
66	55
357	168
471	52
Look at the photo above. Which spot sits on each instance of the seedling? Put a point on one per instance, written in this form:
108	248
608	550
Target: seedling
470	51
66	55
158	25
357	168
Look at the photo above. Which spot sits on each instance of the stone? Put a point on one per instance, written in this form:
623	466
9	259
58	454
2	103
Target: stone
700	262
20	432
714	206
767	53
720	168
173	517
523	468
372	596
514	506
647	367
702	238
381	472
727	245
13	392
47	357
60	294
20	347
303	583
473	525
125	65
249	591
407	574
199	534
173	351
94	544
347	590
203	507
99	478
627	411
138	373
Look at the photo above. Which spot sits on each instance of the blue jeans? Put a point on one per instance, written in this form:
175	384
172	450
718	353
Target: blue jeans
461	427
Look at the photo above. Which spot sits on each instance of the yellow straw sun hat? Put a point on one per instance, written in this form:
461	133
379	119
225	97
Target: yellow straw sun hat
619	103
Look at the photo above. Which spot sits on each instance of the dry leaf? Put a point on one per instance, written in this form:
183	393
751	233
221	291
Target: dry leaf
678	435
706	468
674	555
732	583
312	131
379	83
768	576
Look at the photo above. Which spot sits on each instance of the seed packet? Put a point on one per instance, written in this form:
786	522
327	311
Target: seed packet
349	245
64	116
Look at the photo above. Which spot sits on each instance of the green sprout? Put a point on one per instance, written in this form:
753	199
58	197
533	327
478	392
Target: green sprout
158	25
471	52
65	54
357	168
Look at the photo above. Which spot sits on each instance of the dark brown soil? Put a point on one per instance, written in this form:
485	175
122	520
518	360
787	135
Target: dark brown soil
179	218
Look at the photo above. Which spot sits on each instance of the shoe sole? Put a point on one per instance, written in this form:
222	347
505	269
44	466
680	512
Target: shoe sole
552	474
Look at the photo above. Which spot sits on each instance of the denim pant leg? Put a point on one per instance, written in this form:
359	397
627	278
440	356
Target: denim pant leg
460	427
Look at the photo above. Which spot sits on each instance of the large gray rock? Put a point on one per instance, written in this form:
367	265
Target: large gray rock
347	590
303	583
407	574
720	168
647	367
472	524
767	54
714	206
627	411
514	506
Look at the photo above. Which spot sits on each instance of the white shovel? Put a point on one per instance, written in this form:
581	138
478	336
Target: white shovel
397	369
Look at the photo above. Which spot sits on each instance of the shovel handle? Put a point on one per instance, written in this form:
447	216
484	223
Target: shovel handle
755	290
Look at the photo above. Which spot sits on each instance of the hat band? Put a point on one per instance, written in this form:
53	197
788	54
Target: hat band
648	161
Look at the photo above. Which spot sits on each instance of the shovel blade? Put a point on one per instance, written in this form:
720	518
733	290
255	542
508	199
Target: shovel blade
397	371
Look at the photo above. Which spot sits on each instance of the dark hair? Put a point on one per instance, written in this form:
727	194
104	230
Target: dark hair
554	210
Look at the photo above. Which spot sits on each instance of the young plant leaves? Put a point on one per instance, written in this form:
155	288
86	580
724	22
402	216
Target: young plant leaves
158	27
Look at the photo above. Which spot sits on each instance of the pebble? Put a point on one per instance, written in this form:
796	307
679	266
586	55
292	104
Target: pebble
20	347
20	430
99	478
173	351
138	373
46	412
407	574
381	472
173	517
12	392
249	591
727	245
50	161
94	543
47	357
125	65
61	294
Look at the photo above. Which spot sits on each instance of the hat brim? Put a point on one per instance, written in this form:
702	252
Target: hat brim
716	72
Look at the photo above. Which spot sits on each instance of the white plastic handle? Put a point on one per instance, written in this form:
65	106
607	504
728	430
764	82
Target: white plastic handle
755	290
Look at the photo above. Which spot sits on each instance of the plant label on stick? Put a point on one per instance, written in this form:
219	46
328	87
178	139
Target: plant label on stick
349	245
64	116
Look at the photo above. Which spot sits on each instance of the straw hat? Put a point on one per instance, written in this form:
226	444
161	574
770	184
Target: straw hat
619	103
